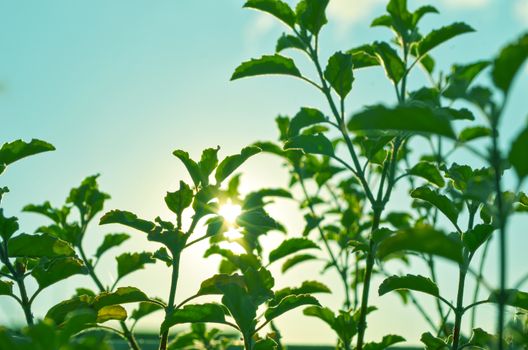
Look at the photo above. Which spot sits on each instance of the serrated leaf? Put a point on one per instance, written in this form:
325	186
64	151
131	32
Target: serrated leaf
208	162
277	8
517	155
231	163
289	303
307	287
441	35
363	56
297	259
443	203
178	200
37	246
211	285
312	144
241	307
419	119
423	240
338	73
305	117
433	343
110	241
190	165
287	41
389	59
267	64
461	78
265	344
409	282
130	262
311	15
122	295
16	150
51	272
144	309
291	246
8	226
428	171
386	341
508	63
475	237
6	287
128	219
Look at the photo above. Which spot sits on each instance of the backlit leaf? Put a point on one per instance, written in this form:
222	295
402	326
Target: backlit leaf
267	64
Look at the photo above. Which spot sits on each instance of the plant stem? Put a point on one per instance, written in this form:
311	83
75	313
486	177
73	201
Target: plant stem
19	279
459	311
362	324
91	271
496	161
172	295
479	281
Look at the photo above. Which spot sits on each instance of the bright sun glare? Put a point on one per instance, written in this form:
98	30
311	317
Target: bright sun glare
230	212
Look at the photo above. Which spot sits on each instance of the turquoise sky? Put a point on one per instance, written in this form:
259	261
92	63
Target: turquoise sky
117	85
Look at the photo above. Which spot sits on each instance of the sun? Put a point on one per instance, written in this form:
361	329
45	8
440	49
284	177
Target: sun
230	212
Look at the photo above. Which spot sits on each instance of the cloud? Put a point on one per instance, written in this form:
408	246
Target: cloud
521	11
466	4
345	13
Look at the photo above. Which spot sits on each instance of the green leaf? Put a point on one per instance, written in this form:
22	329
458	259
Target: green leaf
265	344
289	303
443	203
130	262
514	298
110	241
305	117
402	118
144	309
291	246
277	8
428	171
517	156
6	287
58	312
508	63
482	339
420	12
339	74
128	219
433	343
16	150
50	272
112	312
37	246
363	56
192	168
179	200
8	226
287	41
56	215
211	285
87	197
208	162
441	35
241	307
122	295
311	15
307	287
312	144
461	78
389	59
231	163
322	313
409	282
267	64
473	132
210	313
297	259
475	237
386	341
423	240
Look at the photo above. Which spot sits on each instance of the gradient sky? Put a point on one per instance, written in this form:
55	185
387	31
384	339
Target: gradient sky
117	85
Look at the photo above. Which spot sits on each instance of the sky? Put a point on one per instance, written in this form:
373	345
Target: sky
118	85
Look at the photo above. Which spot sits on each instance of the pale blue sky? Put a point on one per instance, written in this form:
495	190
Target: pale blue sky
117	85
